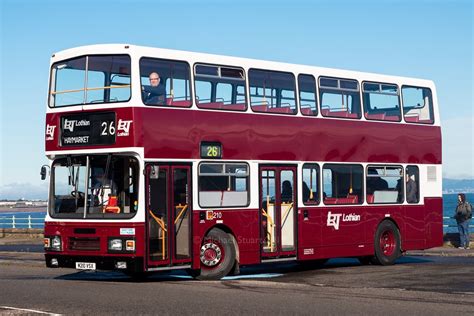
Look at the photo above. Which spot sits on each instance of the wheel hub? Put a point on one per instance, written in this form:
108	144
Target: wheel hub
211	254
387	243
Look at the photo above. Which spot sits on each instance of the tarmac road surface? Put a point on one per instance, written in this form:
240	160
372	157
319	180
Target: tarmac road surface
439	284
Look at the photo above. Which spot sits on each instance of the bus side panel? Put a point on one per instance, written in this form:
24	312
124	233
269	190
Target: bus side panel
414	233
433	222
309	233
338	140
243	224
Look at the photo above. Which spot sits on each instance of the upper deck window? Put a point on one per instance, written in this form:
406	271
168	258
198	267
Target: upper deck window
272	91
339	97
165	82
90	80
307	90
381	101
220	87
417	105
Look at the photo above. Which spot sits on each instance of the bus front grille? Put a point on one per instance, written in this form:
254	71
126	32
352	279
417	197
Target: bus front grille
84	243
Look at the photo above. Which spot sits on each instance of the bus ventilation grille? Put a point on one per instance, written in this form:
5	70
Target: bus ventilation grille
88	244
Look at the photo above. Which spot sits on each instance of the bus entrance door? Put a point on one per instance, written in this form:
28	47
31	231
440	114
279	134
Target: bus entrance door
278	211
168	215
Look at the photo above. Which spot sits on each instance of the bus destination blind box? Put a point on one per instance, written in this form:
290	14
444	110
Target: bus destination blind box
88	129
211	150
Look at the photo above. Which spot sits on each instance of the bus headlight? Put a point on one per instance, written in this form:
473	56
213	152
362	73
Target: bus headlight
115	244
56	243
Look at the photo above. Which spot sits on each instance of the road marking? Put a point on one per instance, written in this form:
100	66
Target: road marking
253	276
236	277
28	310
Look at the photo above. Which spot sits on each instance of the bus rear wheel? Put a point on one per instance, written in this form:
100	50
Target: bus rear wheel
217	255
387	243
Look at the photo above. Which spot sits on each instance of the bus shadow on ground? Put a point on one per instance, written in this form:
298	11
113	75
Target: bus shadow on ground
255	272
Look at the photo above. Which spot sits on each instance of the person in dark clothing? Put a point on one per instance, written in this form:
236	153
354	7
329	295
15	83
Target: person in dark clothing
155	93
286	192
412	189
463	215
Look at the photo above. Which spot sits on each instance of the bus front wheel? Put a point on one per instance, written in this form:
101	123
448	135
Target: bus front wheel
387	243
217	255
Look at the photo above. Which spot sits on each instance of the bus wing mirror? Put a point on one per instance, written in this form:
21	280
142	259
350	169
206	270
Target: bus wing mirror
154	172
44	172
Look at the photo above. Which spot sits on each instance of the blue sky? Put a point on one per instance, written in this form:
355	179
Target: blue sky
424	39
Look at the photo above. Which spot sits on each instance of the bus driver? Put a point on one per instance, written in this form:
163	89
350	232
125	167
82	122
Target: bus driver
154	93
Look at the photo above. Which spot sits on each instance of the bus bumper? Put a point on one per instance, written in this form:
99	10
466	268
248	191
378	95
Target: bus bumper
125	264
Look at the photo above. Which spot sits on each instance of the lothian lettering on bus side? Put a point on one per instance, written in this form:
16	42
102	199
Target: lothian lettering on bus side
335	219
76	140
70	124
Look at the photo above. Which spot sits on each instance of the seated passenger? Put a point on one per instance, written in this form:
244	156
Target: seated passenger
155	93
375	183
286	192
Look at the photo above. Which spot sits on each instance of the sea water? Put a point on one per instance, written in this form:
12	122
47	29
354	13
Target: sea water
37	218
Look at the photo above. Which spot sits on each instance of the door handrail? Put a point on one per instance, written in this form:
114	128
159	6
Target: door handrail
160	222
184	208
271	223
287	212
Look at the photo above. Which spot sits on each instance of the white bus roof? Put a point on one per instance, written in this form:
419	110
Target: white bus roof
193	57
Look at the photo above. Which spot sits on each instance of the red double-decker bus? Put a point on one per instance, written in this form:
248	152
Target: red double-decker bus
164	159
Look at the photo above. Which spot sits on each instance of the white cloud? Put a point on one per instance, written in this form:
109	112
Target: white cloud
14	191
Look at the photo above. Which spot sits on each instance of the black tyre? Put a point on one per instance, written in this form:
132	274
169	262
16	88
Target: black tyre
217	255
387	243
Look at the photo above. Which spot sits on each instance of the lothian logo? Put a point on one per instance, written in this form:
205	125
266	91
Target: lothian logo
123	128
70	124
50	132
335	219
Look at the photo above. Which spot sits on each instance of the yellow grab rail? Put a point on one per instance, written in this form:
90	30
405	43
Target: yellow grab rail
271	224
160	222
286	213
90	89
181	212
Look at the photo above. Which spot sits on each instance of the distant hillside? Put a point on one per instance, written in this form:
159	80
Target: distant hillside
454	185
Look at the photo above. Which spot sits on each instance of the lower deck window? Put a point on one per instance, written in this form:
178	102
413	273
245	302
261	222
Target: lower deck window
223	184
342	184
384	184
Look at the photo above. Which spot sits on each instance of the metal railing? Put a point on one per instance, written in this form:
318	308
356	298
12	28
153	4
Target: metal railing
453	220
18	221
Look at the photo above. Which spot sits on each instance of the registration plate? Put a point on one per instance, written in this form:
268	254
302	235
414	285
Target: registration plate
85	265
